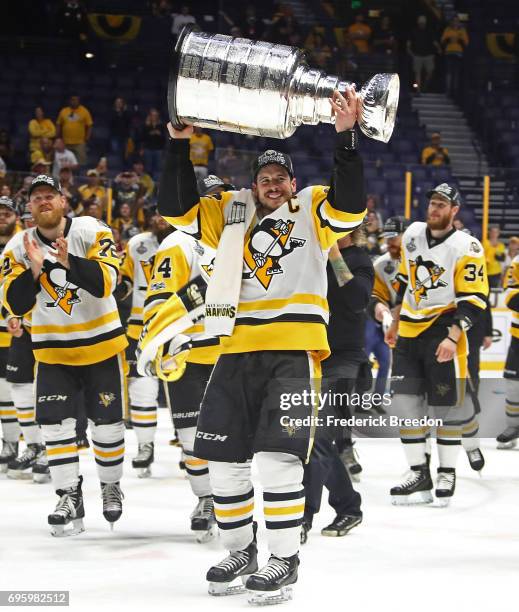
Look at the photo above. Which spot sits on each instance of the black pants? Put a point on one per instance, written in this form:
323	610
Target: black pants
325	467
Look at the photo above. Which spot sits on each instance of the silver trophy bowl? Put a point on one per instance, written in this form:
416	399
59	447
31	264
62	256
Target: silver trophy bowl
259	88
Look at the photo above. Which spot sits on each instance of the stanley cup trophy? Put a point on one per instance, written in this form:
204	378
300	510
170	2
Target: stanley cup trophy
263	89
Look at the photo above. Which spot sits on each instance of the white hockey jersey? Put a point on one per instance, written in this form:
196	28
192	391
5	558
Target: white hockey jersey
385	287
511	293
282	303
75	320
439	274
136	271
180	259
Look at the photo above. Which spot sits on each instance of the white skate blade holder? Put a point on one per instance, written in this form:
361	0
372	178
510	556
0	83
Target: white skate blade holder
202	537
414	499
507	445
59	531
270	598
20	474
143	472
223	589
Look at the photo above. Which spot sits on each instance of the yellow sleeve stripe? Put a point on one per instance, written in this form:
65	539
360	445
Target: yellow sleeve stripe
338	218
186	220
52	329
472	300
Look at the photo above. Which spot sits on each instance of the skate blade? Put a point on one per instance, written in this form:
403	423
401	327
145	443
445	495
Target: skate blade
442	502
415	499
59	531
270	598
143	472
224	589
507	445
207	536
41	478
19	474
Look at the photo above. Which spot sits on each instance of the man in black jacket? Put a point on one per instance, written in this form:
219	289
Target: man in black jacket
350	281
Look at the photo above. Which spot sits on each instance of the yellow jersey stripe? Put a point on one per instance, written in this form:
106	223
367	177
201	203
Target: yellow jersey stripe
88	325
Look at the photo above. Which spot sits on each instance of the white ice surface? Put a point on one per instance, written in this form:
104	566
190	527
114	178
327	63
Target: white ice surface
465	557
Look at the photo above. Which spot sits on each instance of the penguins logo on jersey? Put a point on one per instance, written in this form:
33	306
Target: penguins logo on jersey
424	277
62	292
208	268
268	243
106	398
147	267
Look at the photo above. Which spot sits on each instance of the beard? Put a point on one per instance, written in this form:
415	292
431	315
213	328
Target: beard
48	219
438	224
8	228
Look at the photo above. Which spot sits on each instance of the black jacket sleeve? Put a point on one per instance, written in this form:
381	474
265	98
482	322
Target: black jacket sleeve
488	320
86	274
355	294
22	292
347	182
178	190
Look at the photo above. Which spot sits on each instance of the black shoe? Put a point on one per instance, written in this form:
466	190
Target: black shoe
203	517
350	459
445	484
476	459
508	439
416	488
341	525
8	453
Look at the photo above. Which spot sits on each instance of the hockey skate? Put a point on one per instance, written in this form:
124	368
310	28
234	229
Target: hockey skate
69	509
272	584
350	459
144	459
508	439
112	501
416	488
230	575
40	469
341	525
306	526
445	486
9	452
21	467
203	520
476	459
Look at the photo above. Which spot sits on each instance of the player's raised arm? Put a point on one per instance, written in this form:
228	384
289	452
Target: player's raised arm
179	201
342	208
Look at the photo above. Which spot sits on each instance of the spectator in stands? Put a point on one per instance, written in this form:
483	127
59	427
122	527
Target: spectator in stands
434	154
360	33
125	223
41	166
372	206
454	41
145	180
3	168
495	255
21	197
45	151
5	191
102	170
320	53
229	164
93	209
93	191
511	252
119	246
152	140
422	47
71	20
6	148
384	38
40	127
119	126
282	25
63	158
200	147
70	191
373	234
128	191
181	19
252	26
75	127
161	8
